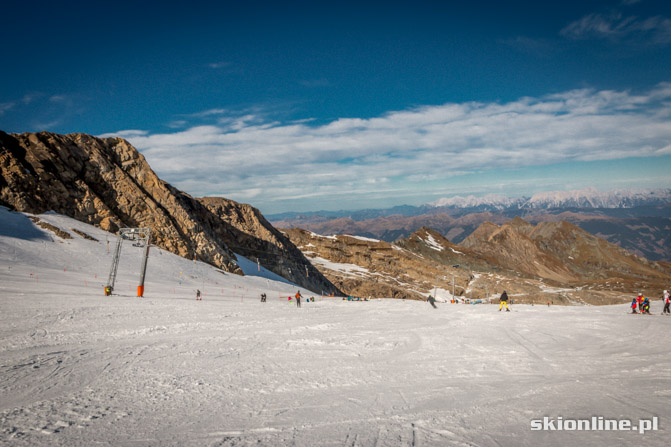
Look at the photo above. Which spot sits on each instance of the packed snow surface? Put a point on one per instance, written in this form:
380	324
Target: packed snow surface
80	369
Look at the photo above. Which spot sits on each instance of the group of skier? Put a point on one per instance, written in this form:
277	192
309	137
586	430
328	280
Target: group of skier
643	304
298	297
504	301
640	304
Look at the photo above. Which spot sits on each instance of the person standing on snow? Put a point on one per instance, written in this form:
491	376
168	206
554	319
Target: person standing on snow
432	301
298	298
646	307
504	301
666	303
198	298
633	306
639	299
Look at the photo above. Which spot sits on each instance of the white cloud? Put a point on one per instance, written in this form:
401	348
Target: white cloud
655	30
127	134
59	98
29	98
405	151
216	65
206	113
5	106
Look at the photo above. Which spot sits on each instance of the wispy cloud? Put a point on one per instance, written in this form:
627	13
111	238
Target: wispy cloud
207	113
44	111
178	124
225	68
216	65
59	99
29	98
127	134
47	125
5	106
654	30
405	151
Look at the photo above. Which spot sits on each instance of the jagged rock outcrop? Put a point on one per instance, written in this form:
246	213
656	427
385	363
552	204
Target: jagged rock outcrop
108	183
257	239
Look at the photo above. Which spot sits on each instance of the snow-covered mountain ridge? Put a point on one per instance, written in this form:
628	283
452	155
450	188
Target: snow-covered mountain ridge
583	198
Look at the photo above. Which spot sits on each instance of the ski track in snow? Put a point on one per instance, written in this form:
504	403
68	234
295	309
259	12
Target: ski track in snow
79	369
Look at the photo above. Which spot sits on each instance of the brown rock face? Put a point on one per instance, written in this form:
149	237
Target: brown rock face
556	263
564	253
256	239
108	183
365	267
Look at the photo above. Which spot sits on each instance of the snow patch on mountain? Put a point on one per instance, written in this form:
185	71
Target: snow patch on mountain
362	238
348	269
432	243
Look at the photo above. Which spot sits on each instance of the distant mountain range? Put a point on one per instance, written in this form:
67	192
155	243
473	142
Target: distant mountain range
637	220
584	198
548	262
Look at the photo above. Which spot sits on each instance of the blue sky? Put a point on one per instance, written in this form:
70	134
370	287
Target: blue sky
315	105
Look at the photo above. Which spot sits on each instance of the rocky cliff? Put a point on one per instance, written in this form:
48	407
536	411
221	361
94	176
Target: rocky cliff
256	239
108	183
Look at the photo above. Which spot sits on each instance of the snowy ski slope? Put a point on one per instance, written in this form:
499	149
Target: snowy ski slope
80	369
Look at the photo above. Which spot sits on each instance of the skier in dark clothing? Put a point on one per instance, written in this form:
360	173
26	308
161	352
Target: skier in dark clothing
667	301
504	301
263	297
298	298
198	297
432	301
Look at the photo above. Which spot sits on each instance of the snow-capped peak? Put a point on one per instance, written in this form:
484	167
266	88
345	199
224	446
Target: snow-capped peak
471	201
583	198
